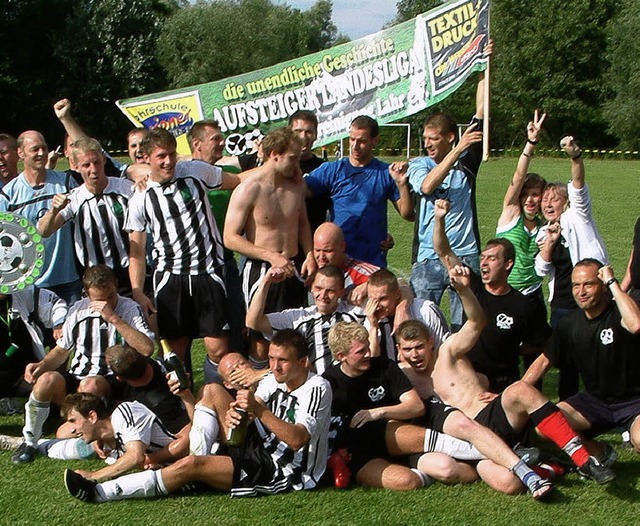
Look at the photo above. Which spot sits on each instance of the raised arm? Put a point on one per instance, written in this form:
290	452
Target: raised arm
488	51
511	207
461	342
62	109
629	309
568	144
440	240
256	318
435	176
404	205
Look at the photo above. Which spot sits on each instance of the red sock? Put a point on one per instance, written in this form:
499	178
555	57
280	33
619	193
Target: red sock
555	427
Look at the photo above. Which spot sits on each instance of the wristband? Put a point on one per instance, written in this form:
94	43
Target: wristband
611	282
577	156
526	154
532	142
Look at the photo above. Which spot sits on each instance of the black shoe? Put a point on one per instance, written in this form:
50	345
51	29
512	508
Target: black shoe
595	471
529	455
609	456
79	487
24	454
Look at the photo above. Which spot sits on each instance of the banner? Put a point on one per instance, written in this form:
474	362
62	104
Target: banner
389	75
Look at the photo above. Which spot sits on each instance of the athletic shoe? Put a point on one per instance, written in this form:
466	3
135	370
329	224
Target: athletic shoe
529	455
337	463
593	470
8	443
79	487
24	454
11	406
609	455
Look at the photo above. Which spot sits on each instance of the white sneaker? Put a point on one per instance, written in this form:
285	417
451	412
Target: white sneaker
9	443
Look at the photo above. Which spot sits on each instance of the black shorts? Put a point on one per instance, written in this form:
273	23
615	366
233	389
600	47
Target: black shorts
435	415
193	306
603	416
366	443
289	294
494	417
255	473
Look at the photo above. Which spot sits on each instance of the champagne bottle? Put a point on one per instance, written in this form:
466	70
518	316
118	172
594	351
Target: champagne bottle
174	365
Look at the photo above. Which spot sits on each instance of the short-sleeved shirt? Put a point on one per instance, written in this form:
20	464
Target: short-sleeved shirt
315	328
359	197
606	354
132	421
98	224
186	239
512	320
310	406
459	187
159	399
88	335
19	197
523	276
382	385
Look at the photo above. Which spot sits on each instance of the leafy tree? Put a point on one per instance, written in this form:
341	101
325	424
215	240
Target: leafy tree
210	41
623	110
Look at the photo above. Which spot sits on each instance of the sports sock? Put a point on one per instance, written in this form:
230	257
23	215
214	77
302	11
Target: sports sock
425	479
141	485
35	415
204	430
435	441
65	448
553	425
528	477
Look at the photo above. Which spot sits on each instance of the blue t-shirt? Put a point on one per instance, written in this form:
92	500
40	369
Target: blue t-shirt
359	196
19	197
458	187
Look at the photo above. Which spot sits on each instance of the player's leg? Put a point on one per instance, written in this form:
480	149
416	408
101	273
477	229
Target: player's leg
208	419
445	469
380	473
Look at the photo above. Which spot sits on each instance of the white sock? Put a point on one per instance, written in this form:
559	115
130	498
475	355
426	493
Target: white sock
140	485
204	430
425	479
435	441
35	415
65	448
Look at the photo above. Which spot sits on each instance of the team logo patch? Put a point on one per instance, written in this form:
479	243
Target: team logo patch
376	393
606	336
504	322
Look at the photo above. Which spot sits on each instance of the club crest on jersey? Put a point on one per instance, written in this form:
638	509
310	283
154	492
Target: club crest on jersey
376	393
504	322
606	336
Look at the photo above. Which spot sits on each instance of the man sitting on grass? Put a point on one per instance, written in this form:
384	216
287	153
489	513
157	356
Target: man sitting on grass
286	446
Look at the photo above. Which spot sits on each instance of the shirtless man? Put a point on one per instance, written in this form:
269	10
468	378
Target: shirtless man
448	373
269	208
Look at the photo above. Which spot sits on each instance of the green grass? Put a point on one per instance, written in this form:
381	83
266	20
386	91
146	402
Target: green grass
35	494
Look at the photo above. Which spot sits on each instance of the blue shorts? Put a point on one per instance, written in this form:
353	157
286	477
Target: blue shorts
603	417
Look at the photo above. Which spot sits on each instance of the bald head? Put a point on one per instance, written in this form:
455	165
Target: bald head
329	246
229	362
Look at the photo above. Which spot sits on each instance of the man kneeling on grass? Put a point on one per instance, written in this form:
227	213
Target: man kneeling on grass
285	447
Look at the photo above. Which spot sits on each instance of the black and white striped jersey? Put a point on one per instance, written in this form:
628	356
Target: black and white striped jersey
98	224
87	335
308	405
133	421
315	329
186	239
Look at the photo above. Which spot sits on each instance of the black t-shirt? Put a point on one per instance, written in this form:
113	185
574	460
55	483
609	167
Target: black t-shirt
382	385
512	319
317	207
606	355
562	294
159	399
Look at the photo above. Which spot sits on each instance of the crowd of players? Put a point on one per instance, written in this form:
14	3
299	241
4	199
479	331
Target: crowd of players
341	370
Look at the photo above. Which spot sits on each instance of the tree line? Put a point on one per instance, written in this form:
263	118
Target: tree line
579	61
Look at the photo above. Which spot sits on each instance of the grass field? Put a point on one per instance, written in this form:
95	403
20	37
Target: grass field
35	494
